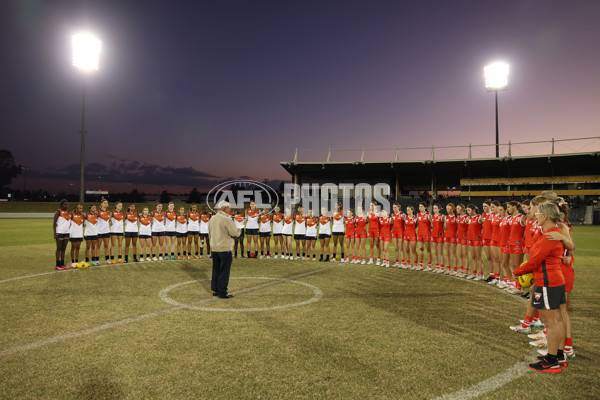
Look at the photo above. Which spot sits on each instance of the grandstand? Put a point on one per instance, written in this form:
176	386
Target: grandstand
570	167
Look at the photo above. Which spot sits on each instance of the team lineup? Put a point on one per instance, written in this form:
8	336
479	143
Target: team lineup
537	230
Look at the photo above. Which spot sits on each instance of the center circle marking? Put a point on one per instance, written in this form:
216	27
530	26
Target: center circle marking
164	295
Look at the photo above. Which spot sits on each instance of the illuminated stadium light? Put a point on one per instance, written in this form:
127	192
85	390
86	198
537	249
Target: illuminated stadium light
496	76
86	57
86	51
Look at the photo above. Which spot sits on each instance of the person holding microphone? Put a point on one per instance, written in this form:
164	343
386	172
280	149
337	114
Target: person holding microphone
223	231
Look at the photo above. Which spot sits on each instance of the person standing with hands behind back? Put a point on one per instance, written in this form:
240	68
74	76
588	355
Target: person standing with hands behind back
222	233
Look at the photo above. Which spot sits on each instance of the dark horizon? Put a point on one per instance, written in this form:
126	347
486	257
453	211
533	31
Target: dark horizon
203	91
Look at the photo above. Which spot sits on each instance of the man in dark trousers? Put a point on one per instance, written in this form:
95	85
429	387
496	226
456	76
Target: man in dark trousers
222	232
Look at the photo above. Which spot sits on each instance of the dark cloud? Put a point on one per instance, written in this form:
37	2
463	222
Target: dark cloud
134	172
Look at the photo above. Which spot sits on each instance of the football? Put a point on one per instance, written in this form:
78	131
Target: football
526	280
252	255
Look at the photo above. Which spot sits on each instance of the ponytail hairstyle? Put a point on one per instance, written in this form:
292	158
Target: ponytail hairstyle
473	207
526	202
452	206
462	207
496	203
564	208
550	195
513	204
436	205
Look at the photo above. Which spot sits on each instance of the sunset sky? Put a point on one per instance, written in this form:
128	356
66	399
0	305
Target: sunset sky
192	92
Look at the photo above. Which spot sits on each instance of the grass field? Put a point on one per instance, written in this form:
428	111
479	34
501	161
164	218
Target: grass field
373	333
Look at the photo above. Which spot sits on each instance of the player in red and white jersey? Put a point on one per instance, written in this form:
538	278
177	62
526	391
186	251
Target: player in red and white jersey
424	236
349	222
145	234
287	232
252	215
116	233
104	216
385	237
516	242
495	252
324	234
170	231
193	231
205	216
450	227
300	232
311	234
373	233
239	218
337	231
474	242
398	234
462	249
76	233
60	227
437	238
265	232
486	237
91	235
158	231
181	232
410	238
131	232
277	219
360	235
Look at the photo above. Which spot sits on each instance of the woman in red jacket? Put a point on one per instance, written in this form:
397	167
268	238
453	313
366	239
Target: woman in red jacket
549	292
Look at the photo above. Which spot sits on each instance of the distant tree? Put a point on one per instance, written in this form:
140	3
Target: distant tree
165	197
137	197
8	168
194	196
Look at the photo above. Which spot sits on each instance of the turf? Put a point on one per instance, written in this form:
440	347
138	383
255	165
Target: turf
376	333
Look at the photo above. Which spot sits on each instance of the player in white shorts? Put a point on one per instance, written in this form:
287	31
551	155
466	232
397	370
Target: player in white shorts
76	234
104	215
158	231
252	215
239	218
181	232
286	232
116	232
277	219
131	232
337	231
145	234
205	216
300	232
91	236
170	232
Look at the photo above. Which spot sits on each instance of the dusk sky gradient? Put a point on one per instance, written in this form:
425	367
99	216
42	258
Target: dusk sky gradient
189	92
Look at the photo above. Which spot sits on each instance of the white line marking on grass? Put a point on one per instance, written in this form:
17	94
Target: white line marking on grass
318	294
34	345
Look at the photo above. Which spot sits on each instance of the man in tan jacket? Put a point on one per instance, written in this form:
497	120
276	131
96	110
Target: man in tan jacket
222	231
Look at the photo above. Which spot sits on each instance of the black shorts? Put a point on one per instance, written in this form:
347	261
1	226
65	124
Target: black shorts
277	234
549	298
170	233
324	235
144	236
62	235
158	234
131	235
75	239
251	231
192	233
103	235
337	233
264	234
93	237
299	236
181	235
241	235
204	235
309	237
286	234
116	234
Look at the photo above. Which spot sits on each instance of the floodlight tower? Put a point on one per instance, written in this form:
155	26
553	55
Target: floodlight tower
496	78
86	57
